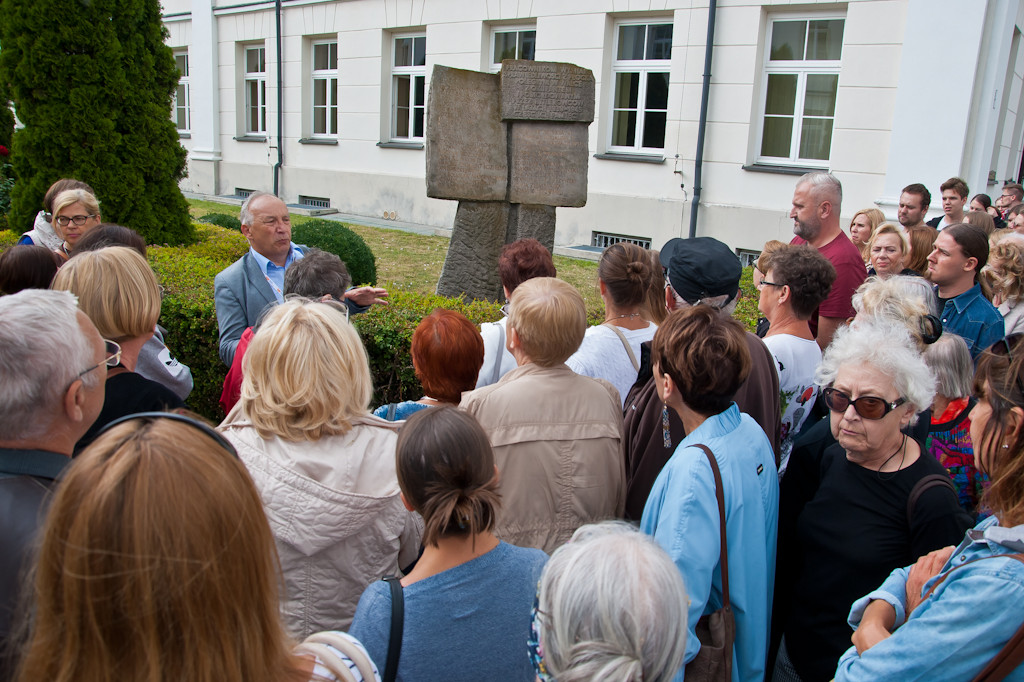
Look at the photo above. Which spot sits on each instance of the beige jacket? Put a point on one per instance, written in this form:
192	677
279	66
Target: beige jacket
555	436
334	509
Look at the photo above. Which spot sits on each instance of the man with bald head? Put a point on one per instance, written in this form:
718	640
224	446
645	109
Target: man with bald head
816	203
247	287
53	365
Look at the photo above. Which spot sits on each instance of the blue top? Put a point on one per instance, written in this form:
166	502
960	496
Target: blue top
973	318
954	633
682	515
403	410
470	622
275	273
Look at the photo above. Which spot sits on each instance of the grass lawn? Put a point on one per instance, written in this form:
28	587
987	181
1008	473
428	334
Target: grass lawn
412	262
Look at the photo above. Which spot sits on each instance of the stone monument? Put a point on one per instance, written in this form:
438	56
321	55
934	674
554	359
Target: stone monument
509	147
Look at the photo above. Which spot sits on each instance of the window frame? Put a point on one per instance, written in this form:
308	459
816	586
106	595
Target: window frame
802	69
412	73
495	67
642	67
183	82
260	78
328	75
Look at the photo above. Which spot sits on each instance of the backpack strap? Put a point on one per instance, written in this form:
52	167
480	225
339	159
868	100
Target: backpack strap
397	627
926	482
1010	656
392	409
625	344
723	554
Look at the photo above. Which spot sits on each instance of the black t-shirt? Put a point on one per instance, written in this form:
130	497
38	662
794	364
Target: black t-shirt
842	530
129	393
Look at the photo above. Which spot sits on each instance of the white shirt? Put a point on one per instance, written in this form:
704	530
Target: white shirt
796	360
602	356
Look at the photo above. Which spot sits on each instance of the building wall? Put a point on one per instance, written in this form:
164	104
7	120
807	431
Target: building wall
898	118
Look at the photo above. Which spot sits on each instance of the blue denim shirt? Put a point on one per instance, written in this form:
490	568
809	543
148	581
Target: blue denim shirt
973	318
954	633
682	515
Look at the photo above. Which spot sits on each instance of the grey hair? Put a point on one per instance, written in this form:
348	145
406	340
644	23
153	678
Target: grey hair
889	348
42	350
612	607
317	274
244	214
902	299
824	187
951	361
725	303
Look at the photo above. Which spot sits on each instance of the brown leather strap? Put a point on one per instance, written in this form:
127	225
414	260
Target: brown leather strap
723	555
1011	655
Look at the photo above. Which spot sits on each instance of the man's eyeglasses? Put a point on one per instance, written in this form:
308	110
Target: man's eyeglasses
63	220
113	357
866	406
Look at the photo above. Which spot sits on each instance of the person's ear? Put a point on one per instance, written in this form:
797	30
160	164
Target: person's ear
825	209
511	339
1014	423
405	502
971	264
908	413
668	386
602	287
670	300
785	293
74	401
246	230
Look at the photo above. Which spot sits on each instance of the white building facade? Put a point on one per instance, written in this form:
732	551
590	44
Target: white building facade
327	99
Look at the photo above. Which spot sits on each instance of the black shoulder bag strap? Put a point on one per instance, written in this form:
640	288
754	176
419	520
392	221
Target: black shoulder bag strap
926	482
397	627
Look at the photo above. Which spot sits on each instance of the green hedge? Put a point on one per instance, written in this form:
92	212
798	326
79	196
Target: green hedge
333	237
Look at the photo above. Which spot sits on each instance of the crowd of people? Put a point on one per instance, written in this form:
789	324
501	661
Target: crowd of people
663	495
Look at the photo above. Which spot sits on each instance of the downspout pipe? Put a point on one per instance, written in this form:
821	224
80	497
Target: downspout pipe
280	100
702	125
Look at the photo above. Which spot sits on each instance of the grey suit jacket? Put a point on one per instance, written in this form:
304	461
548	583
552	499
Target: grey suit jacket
241	294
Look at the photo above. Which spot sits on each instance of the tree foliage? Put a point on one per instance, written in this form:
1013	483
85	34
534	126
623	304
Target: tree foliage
92	80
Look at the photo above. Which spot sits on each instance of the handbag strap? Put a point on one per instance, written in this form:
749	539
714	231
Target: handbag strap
926	482
392	410
397	626
625	344
723	554
499	354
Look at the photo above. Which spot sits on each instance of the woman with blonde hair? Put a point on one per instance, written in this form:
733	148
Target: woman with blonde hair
324	466
1005	275
862	226
118	291
888	250
611	350
466	604
75	212
157	563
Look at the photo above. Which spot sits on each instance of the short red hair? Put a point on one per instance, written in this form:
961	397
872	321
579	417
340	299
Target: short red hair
522	260
447	353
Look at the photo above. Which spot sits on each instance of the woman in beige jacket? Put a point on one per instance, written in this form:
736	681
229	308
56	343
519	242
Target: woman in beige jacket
324	466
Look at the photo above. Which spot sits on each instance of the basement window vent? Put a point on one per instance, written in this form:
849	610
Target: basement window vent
747	258
243	193
314	202
605	239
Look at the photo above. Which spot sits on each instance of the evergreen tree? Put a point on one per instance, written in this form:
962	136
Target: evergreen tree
92	80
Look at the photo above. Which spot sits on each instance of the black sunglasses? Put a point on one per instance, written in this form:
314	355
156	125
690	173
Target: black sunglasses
867	406
149	417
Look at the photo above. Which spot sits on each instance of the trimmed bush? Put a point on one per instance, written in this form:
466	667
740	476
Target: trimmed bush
223	219
336	238
92	82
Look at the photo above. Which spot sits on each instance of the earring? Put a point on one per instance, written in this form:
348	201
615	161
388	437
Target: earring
1005	446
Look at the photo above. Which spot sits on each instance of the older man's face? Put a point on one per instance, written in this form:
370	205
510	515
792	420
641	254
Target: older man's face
270	234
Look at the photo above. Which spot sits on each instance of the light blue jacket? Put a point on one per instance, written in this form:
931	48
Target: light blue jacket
954	633
682	515
971	317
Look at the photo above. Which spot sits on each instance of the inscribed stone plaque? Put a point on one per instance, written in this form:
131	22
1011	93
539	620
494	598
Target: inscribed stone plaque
549	163
531	220
471	266
466	146
546	91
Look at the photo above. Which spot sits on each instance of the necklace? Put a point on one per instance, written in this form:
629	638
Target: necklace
619	317
903	447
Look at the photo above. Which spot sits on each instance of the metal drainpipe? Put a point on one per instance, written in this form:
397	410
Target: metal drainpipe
702	126
280	100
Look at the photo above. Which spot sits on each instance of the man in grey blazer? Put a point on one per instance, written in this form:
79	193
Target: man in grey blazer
253	283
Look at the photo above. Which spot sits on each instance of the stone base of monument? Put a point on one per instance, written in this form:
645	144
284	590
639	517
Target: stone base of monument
470	268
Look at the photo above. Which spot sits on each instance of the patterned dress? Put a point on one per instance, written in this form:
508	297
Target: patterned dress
949	441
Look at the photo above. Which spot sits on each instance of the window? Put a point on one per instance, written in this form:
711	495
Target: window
512	43
605	239
255	81
640	70
325	89
181	105
408	88
801	78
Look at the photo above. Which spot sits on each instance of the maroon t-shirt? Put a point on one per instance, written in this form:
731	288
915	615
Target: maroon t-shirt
850	274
